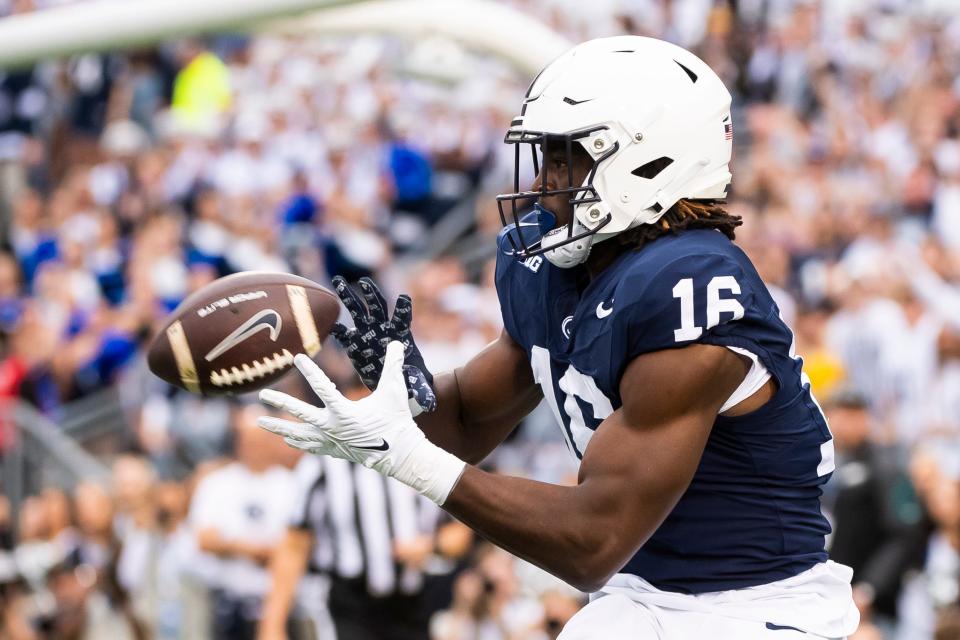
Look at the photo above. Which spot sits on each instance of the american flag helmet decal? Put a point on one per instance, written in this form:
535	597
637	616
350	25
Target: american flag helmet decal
727	129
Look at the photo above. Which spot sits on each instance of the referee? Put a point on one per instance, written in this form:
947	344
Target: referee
357	548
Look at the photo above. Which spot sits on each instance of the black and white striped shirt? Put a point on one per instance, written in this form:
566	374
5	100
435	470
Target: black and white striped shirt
356	515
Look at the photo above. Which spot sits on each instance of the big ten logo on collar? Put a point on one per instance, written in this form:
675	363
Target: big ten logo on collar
565	327
533	263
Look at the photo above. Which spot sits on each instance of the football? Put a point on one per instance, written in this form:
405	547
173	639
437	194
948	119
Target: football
241	332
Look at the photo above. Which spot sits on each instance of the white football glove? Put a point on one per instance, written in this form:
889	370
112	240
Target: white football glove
377	431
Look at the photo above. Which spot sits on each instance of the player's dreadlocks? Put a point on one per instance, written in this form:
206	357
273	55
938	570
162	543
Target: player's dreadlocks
684	215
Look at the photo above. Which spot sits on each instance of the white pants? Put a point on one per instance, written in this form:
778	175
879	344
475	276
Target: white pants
814	605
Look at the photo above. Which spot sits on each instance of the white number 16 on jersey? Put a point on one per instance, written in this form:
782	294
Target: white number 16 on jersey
715	305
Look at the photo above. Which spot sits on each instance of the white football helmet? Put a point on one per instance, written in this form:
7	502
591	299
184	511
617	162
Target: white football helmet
654	118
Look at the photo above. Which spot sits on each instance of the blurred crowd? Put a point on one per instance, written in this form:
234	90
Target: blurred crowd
129	180
144	557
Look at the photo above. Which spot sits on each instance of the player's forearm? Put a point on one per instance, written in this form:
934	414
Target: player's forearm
567	531
451	429
479	404
442	425
471	429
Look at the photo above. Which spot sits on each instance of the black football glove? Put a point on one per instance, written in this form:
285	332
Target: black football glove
366	344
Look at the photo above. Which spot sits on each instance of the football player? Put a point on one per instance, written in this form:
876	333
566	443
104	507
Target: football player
630	311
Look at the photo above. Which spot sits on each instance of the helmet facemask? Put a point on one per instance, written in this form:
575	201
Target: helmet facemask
517	204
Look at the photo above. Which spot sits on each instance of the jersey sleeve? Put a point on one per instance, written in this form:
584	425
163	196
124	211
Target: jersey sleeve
702	298
517	284
521	285
504	277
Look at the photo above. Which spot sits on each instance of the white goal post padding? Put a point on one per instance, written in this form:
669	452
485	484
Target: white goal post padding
480	25
104	25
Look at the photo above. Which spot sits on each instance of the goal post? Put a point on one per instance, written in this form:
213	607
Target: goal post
480	25
105	25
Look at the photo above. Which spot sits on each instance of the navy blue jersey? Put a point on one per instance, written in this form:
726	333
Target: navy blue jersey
751	515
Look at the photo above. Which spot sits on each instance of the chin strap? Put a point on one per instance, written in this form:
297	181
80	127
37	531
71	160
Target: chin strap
567	255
